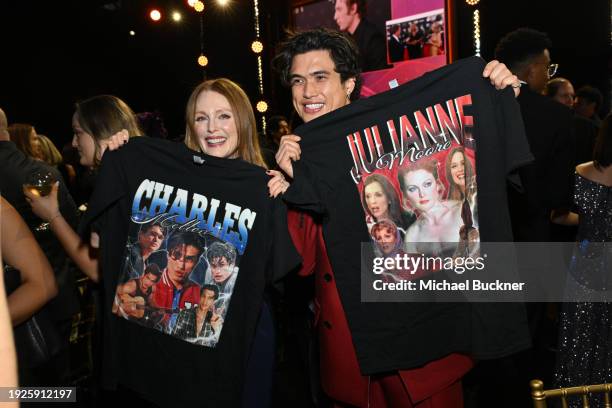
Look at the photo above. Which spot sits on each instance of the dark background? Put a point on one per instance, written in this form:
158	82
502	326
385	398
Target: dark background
57	52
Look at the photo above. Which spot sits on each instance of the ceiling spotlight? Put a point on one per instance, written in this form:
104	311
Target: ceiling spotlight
176	16
198	6
191	2
222	3
262	106
132	33
472	2
202	60
155	15
257	46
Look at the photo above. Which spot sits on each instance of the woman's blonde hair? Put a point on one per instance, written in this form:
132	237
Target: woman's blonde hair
247	147
51	155
104	115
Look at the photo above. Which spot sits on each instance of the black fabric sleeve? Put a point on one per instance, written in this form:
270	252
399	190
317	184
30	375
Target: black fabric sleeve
376	52
111	185
67	206
303	193
283	257
562	167
515	140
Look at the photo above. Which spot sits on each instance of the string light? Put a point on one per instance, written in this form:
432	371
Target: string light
257	46
155	15
222	3
256	4
477	32
202	59
191	2
472	2
176	16
260	74
262	106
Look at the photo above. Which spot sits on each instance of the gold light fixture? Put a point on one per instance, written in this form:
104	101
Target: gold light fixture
262	106
257	46
477	32
202	60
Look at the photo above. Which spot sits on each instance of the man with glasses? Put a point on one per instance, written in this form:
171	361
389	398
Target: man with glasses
175	291
548	181
547	188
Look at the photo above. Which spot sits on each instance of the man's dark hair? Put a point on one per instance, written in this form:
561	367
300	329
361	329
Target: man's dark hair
185	238
602	153
341	47
144	228
274	121
221	249
152	124
211	287
154	270
393	28
591	94
520	46
362	6
553	86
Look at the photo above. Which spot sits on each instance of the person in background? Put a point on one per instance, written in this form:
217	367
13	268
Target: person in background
152	124
25	138
278	126
30	284
585	130
588	102
561	90
546	188
15	167
49	153
396	48
584	350
350	16
435	40
53	157
548	125
8	374
414	41
94	121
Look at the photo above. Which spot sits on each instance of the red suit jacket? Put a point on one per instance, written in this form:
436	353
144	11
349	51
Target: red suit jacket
340	374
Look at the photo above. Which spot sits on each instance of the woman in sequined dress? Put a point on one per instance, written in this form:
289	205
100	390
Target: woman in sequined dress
585	338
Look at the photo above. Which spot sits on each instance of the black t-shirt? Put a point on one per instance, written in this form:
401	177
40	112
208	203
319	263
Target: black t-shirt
350	156
215	221
548	181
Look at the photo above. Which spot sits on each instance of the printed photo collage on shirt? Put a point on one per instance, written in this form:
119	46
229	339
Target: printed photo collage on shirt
425	207
176	279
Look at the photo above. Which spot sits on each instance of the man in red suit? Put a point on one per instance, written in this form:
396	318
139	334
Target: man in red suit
321	68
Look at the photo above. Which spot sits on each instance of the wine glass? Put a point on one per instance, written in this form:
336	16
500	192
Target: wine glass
40	183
